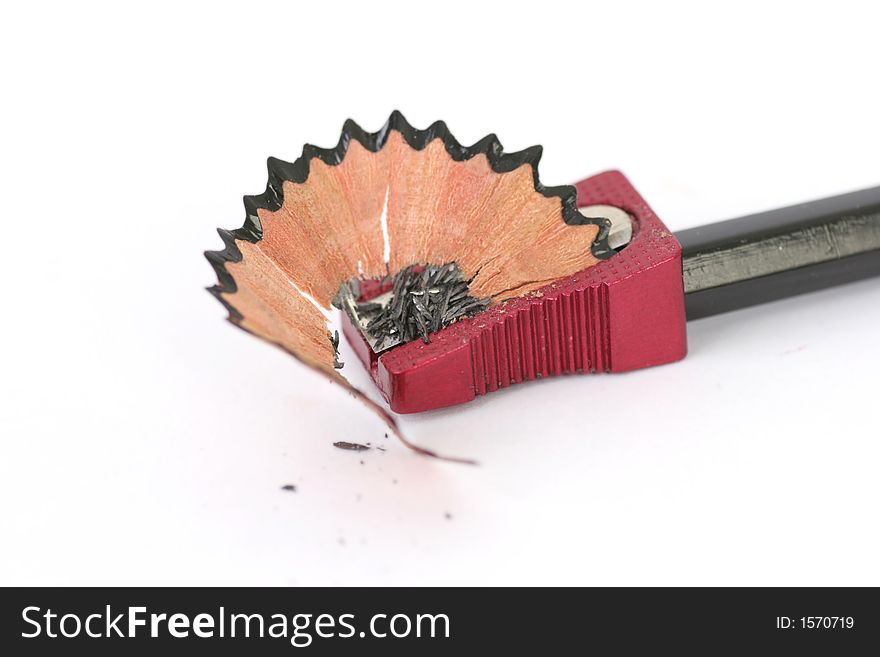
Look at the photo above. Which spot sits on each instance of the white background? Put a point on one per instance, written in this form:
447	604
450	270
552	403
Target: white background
145	440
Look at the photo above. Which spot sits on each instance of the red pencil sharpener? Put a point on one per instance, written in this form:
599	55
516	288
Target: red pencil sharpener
625	313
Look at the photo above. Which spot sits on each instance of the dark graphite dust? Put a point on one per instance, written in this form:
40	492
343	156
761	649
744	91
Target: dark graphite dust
424	299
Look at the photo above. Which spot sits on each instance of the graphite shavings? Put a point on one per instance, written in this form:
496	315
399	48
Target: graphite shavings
353	447
334	340
424	299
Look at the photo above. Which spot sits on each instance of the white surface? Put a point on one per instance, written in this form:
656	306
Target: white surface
144	440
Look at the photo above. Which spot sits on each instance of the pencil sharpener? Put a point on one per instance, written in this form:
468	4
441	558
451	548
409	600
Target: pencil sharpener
624	313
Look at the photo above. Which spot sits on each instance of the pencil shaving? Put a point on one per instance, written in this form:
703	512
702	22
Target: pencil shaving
467	227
